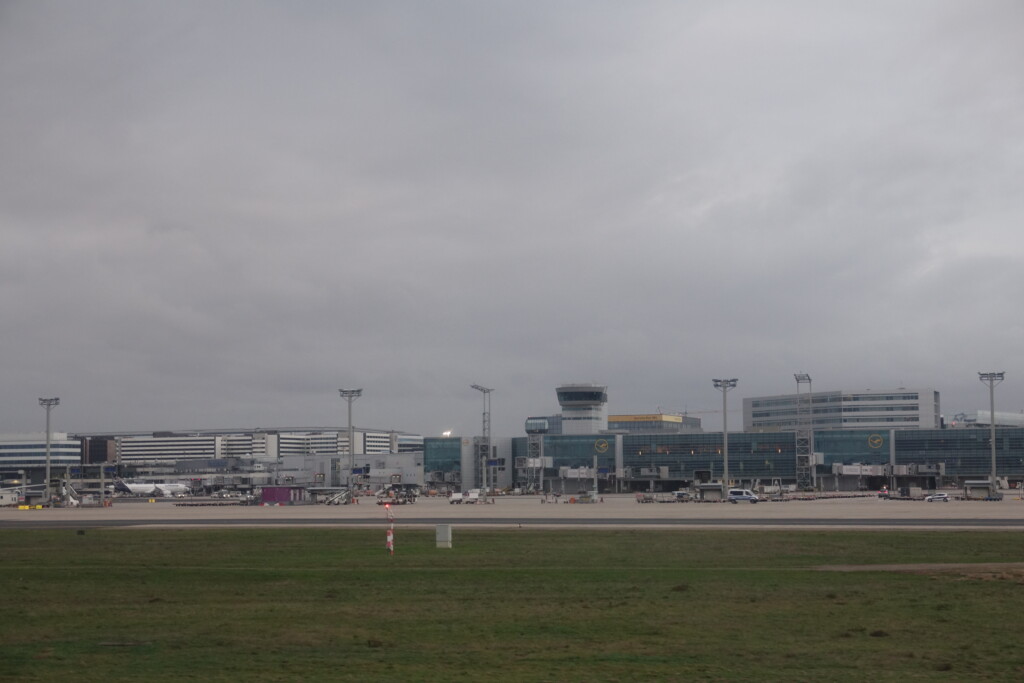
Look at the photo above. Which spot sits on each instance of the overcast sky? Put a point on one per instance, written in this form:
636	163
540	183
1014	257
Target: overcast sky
216	213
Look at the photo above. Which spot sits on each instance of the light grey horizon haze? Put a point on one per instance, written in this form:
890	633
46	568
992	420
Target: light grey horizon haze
218	213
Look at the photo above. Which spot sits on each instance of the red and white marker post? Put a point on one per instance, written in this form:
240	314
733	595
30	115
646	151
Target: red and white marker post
390	543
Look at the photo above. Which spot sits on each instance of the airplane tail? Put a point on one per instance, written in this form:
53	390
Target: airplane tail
120	486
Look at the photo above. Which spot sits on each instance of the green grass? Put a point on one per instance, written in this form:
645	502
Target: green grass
521	605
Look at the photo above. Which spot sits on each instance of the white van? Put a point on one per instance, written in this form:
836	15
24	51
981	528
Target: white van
736	495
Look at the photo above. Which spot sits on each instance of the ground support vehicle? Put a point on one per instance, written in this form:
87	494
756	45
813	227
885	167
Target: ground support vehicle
738	495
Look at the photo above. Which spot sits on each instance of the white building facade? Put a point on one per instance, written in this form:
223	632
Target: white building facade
28	451
263	446
869	409
584	408
983	418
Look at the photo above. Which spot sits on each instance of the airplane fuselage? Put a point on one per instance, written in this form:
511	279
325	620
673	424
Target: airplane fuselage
150	489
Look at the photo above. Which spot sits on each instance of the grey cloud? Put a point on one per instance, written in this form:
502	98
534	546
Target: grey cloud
217	213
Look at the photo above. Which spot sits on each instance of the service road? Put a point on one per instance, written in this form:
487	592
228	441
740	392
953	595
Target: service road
524	511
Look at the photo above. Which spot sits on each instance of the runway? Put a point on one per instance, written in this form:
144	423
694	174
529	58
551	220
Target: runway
615	511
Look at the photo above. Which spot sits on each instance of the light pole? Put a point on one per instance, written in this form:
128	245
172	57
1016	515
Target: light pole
803	378
724	385
485	446
992	379
804	433
350	395
48	403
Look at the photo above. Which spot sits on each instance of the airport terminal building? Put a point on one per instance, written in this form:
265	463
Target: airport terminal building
897	435
859	439
844	459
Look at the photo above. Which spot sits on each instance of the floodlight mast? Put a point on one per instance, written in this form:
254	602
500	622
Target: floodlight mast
350	395
724	385
992	379
48	403
804	433
485	445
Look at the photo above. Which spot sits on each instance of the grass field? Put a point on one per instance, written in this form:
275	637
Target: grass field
518	605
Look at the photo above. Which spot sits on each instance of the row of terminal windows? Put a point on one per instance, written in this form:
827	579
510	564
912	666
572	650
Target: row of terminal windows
768	417
593	396
851	398
793	401
816	412
647	426
836	409
782	422
768	403
845	420
877	397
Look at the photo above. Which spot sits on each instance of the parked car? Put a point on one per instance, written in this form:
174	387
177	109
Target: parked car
737	495
938	498
884	493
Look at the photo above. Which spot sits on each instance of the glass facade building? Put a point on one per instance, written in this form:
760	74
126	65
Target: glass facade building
967	453
693	457
632	461
853	447
766	456
574	451
675	457
656	423
442	454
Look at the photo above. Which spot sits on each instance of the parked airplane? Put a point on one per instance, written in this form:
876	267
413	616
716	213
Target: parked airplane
150	489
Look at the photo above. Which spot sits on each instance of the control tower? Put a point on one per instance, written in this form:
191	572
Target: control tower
584	408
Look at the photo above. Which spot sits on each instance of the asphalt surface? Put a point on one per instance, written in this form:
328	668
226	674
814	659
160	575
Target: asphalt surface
614	511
